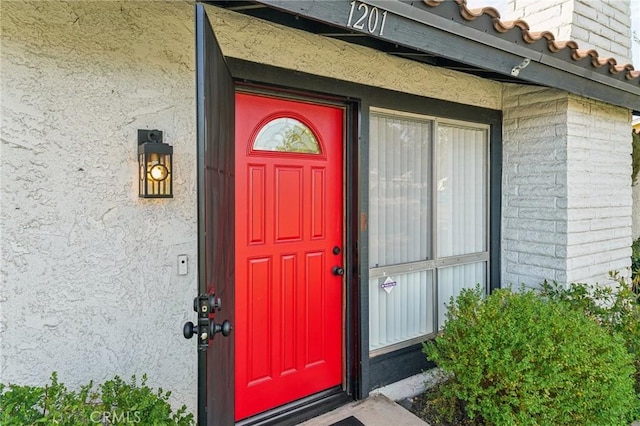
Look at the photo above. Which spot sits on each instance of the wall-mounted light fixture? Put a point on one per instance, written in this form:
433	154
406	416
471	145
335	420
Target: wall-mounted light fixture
155	161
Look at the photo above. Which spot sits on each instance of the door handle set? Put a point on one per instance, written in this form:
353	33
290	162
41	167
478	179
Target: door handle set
206	305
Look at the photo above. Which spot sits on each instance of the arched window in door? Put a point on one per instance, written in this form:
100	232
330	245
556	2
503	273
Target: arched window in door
286	134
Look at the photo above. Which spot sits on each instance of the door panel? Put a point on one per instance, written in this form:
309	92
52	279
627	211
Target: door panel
288	194
318	197
290	217
216	216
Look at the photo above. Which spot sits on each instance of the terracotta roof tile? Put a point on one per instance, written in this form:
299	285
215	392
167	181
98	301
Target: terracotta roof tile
581	57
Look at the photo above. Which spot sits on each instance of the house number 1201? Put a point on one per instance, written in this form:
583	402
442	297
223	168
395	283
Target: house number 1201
368	18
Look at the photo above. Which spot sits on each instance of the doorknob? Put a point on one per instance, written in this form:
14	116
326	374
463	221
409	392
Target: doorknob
206	305
189	330
224	328
337	271
206	333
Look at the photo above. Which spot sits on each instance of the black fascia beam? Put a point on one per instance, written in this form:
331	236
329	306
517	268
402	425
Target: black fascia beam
402	24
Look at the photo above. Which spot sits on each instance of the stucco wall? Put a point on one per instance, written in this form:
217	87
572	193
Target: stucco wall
89	271
268	43
566	188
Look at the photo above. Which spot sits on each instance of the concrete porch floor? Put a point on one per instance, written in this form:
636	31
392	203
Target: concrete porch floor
377	410
380	409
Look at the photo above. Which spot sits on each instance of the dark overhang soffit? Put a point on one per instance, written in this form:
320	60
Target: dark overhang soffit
446	33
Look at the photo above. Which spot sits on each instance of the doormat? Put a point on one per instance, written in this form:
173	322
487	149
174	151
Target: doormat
349	421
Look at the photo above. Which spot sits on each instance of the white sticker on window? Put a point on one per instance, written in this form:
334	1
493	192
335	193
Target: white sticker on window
388	285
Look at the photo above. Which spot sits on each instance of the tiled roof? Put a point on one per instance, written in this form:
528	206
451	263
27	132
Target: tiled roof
518	31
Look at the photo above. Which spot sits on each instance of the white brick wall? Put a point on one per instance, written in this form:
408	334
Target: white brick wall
599	204
534	185
566	187
604	25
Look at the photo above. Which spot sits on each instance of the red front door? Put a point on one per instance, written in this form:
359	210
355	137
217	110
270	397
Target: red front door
289	236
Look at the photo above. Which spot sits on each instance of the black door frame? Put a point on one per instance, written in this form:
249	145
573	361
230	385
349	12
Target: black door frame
216	159
215	111
315	404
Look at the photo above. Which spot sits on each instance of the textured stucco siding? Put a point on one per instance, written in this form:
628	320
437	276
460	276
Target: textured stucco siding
89	271
268	43
566	188
604	25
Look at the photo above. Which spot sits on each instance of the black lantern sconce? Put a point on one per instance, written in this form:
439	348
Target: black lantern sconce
155	162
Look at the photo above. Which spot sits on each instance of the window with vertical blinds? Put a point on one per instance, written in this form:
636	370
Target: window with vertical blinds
428	227
399	190
462	190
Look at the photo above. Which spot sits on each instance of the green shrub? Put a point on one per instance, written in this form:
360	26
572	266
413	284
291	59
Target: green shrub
116	402
635	264
616	309
516	358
